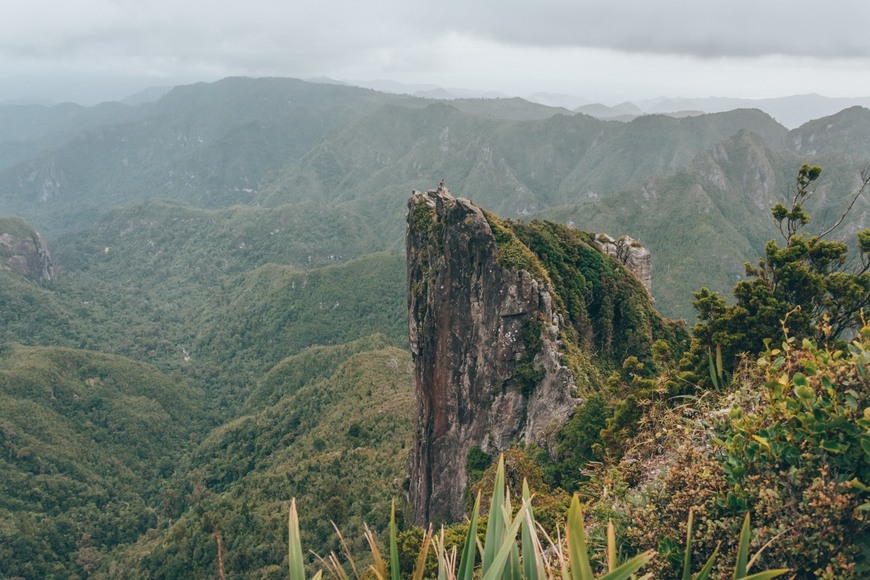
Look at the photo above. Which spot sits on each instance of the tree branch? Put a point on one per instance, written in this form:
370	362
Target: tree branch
865	180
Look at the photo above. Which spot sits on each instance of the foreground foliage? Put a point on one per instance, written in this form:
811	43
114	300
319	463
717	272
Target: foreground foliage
789	443
809	282
500	555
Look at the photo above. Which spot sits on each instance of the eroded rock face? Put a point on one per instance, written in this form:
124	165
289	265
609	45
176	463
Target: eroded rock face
473	326
631	254
24	251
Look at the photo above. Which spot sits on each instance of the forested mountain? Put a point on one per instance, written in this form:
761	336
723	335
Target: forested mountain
227	314
273	142
206	144
704	222
336	438
89	441
83	421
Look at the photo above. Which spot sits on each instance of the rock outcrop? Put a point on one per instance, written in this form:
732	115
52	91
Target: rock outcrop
476	329
631	254
23	250
508	324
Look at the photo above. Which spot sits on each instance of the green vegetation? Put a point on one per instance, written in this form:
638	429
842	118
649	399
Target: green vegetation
274	311
198	361
88	442
607	310
579	442
513	253
476	463
786	438
217	306
35	314
234	481
423	219
704	223
525	372
499	554
804	289
787	443
81	491
502	556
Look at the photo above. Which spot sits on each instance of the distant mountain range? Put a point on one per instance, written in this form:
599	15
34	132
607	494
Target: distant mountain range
790	111
272	142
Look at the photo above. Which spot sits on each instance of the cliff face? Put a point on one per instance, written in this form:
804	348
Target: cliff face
24	251
631	254
481	335
508	325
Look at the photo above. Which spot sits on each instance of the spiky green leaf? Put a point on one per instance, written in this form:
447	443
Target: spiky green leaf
578	555
294	541
687	555
742	550
466	563
496	524
530	555
628	568
498	563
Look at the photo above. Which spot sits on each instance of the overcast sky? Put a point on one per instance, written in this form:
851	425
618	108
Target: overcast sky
603	50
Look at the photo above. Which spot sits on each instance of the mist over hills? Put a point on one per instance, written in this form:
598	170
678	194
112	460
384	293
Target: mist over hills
791	111
236	247
282	142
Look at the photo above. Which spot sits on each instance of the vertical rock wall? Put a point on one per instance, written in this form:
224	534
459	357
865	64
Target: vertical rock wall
471	324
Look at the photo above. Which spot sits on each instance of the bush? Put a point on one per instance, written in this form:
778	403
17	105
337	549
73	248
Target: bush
790	445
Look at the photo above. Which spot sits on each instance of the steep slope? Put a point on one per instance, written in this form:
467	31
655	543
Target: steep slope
331	440
514	167
704	223
656	144
846	132
508	324
88	441
210	144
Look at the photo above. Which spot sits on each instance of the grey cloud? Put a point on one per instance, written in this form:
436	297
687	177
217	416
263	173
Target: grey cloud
269	31
207	39
255	37
704	28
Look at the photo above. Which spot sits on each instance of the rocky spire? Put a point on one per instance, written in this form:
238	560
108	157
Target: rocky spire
477	331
